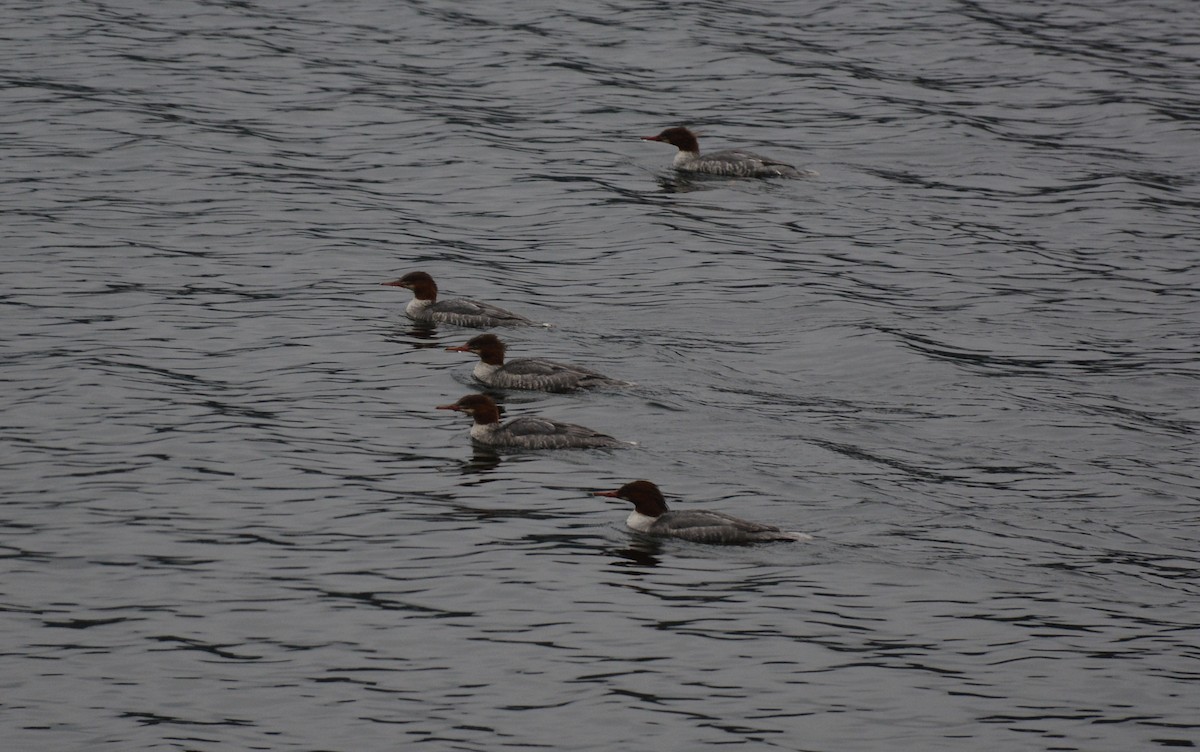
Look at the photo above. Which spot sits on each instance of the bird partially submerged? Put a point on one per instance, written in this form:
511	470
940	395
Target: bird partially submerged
651	516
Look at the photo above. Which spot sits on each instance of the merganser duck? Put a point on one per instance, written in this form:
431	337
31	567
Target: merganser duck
528	373
526	432
461	312
731	162
650	515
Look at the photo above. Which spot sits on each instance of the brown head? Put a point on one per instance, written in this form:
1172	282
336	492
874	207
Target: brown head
679	137
479	406
422	285
646	497
488	347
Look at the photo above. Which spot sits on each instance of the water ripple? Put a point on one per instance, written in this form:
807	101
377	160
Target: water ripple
963	358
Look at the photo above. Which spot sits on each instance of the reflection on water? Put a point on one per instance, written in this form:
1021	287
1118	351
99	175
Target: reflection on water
422	331
642	551
482	460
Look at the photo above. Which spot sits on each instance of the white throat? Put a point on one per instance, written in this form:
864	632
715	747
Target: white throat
639	522
682	158
484	371
416	306
482	431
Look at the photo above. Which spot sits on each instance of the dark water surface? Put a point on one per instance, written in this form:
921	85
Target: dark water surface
965	358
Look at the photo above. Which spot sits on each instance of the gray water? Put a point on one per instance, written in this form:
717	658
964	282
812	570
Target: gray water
964	358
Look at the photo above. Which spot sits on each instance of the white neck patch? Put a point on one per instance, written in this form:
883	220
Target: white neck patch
415	306
482	431
639	522
483	371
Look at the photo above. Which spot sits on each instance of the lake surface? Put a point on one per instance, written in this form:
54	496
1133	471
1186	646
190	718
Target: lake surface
964	358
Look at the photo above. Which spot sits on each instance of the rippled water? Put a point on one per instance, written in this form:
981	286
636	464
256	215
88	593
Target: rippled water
964	358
